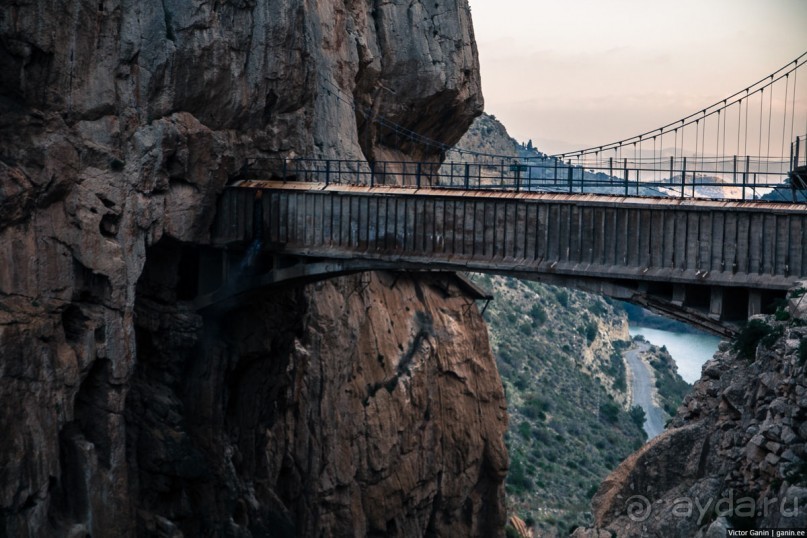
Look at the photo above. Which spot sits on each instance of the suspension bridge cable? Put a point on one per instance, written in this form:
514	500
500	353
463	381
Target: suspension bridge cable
399	131
770	118
745	137
687	120
761	102
793	108
739	125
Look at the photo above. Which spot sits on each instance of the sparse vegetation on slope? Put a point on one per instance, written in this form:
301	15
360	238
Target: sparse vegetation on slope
670	386
565	384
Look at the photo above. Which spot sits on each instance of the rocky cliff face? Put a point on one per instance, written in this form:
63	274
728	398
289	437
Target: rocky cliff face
127	412
486	135
734	455
364	406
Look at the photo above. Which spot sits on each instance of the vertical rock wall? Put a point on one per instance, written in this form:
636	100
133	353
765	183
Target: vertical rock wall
361	406
120	122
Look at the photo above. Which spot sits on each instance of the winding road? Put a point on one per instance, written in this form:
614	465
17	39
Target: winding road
643	388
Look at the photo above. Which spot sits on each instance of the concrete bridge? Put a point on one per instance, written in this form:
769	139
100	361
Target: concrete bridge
710	263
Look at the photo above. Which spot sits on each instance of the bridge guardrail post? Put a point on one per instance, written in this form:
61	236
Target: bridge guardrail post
627	178
734	171
467	175
672	169
745	173
417	176
683	175
327	172
610	169
571	175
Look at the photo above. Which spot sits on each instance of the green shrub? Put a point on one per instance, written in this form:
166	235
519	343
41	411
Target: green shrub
538	314
637	415
517	476
747	340
535	407
781	314
598	308
616	370
770	339
591	331
609	411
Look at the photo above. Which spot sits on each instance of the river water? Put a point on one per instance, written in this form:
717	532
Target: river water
689	351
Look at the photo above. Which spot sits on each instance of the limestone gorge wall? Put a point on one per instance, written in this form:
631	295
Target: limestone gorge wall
734	455
364	405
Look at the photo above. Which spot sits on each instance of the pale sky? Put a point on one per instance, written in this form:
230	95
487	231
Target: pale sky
576	73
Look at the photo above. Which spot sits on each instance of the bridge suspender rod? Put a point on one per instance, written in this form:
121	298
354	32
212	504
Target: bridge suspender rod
784	123
713	109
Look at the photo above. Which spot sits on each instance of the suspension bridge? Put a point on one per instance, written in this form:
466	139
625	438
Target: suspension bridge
683	219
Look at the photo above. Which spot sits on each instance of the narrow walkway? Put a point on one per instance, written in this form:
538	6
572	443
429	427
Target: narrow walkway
643	389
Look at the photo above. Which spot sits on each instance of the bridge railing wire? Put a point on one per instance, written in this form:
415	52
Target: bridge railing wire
733	178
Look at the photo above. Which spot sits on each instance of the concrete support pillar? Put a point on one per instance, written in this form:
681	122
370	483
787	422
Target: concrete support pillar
754	302
679	294
716	303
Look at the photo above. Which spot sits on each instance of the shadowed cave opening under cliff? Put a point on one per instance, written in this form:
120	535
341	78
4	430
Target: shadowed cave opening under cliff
197	400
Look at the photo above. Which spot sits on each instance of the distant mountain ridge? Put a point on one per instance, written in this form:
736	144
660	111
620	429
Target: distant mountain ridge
487	139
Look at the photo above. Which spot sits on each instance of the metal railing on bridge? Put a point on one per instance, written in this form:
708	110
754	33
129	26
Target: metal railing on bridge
743	178
798	164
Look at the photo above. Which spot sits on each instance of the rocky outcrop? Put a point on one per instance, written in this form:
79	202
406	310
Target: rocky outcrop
120	123
734	455
362	406
488	136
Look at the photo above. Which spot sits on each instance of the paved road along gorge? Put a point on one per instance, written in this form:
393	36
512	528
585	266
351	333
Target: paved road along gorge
643	386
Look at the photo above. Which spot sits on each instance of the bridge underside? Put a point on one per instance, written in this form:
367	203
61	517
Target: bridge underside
709	263
224	281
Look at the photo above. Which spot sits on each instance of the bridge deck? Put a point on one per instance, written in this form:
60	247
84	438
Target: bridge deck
731	243
687	251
